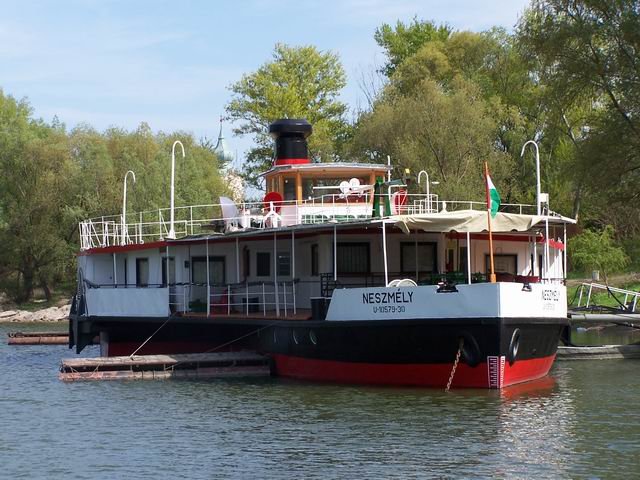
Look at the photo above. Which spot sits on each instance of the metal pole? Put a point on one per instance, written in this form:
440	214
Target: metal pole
237	260
415	249
532	142
564	241
172	231
335	255
469	258
124	206
115	270
293	255
275	273
546	247
384	253
293	268
208	284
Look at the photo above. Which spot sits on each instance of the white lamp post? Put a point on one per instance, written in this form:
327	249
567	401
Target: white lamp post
428	187
124	206
172	231
532	142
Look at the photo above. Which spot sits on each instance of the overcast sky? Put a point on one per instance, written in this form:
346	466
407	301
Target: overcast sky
169	63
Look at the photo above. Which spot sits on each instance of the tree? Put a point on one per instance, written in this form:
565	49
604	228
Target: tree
447	133
586	55
34	171
403	41
596	250
299	82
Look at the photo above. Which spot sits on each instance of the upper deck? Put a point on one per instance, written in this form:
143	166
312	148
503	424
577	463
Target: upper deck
329	208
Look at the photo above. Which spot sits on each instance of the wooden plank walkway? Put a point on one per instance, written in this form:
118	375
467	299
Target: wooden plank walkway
201	365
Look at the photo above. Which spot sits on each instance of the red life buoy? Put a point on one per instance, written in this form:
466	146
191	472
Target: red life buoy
275	198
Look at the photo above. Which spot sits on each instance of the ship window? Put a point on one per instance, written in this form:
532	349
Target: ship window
353	258
216	270
284	264
247	262
289	188
263	264
426	257
142	272
314	260
172	271
502	263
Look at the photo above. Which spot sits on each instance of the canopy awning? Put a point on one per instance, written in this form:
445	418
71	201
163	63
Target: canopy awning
474	221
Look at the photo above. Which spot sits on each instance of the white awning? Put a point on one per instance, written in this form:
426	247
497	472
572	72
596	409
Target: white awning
473	221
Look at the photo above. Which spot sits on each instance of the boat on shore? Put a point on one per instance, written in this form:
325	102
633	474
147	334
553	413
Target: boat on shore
338	275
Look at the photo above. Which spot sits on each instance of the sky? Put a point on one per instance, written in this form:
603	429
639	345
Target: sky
170	63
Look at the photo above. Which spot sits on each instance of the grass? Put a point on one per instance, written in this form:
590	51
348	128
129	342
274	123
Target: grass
629	281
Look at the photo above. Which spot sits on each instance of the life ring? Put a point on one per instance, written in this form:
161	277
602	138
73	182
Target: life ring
514	346
399	202
470	350
272	198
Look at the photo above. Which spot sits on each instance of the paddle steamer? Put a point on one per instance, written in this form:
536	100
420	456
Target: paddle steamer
340	274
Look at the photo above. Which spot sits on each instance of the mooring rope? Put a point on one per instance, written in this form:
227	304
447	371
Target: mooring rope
150	337
455	365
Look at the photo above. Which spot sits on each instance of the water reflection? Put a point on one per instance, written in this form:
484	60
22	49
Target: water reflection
580	422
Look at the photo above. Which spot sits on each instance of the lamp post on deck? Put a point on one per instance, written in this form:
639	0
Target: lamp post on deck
172	231
123	240
532	142
428	186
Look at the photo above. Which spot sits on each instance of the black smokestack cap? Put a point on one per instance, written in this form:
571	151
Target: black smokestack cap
291	135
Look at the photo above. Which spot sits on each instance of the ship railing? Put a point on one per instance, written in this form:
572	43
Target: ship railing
154	225
250	298
586	290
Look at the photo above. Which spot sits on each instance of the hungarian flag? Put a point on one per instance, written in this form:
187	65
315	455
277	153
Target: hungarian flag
493	197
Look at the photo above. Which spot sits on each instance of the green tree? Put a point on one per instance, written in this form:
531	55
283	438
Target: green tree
597	250
404	40
34	171
586	55
299	82
447	133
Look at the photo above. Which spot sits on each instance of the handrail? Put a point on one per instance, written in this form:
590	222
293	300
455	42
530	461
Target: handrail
151	225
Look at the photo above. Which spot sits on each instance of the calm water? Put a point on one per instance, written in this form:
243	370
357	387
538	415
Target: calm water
583	422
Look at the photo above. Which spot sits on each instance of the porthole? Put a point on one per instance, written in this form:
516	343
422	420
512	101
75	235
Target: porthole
313	338
275	336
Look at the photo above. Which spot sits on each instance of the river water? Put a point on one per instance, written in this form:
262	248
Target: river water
583	421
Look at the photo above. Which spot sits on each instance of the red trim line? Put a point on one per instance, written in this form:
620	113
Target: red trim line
291	161
424	375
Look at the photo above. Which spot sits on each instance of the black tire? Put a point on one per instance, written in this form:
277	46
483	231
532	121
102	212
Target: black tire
514	346
471	354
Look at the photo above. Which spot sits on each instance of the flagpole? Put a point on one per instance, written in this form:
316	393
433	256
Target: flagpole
492	276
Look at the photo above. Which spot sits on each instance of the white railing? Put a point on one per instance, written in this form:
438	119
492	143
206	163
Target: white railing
153	225
254	298
630	297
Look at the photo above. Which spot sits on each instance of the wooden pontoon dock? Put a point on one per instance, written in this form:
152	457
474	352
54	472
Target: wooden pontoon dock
142	367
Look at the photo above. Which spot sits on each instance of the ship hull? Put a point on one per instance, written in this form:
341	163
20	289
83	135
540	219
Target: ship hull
494	352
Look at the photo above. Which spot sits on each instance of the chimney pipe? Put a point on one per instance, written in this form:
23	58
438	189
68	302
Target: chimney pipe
291	135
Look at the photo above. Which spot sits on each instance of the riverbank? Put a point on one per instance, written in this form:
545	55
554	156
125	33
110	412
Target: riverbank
49	314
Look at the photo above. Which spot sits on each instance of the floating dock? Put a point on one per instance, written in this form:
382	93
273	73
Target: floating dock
602	352
143	367
38	338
